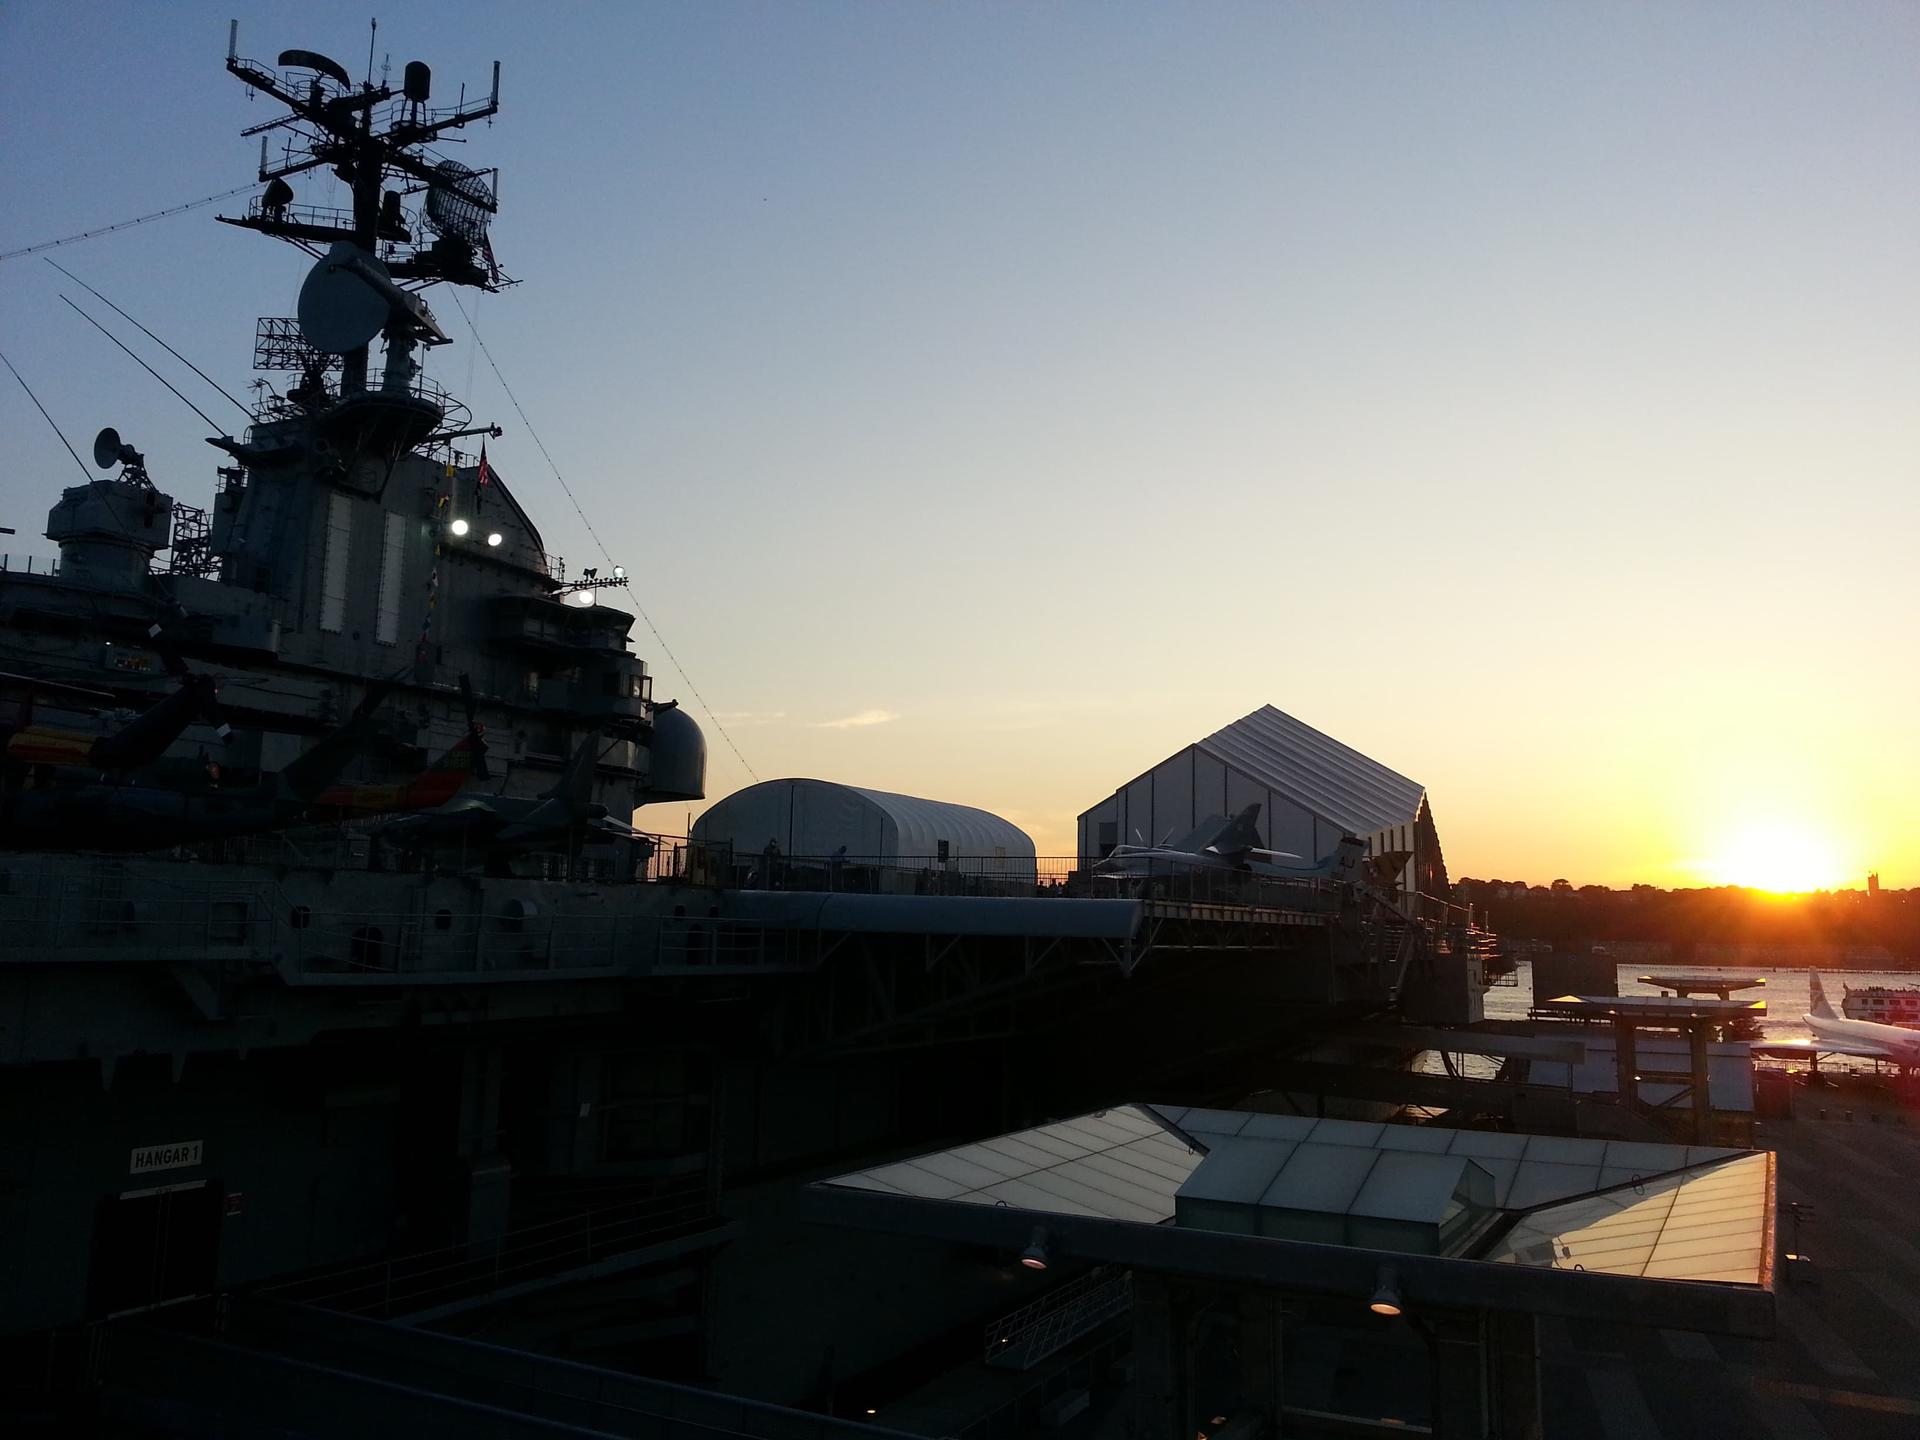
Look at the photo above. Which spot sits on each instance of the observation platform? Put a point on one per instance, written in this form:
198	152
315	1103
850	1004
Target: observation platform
1685	985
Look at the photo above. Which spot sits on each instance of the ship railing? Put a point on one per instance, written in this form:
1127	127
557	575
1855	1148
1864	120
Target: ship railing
516	940
82	917
325	216
28	565
1210	885
351	847
427	1280
951	874
115	915
454	414
1002	876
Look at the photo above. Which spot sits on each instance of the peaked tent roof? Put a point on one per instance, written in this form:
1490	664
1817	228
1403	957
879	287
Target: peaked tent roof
1330	779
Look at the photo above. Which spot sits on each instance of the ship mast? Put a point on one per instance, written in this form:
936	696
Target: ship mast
373	260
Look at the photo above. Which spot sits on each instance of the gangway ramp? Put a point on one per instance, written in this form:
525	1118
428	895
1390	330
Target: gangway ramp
271	1368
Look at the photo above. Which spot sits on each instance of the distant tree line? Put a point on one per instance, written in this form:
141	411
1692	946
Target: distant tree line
1862	931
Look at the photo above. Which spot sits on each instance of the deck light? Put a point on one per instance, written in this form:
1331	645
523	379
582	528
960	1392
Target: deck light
619	572
459	527
1386	1292
1034	1257
493	538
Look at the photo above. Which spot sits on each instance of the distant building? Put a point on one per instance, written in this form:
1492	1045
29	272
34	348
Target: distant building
1873	882
1311	789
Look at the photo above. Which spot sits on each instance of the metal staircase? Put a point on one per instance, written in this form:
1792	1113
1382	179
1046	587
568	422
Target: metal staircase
1022	1339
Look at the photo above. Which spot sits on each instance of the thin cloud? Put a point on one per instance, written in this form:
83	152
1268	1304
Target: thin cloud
865	717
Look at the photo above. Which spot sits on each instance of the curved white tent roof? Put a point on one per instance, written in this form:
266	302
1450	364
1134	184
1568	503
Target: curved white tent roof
819	817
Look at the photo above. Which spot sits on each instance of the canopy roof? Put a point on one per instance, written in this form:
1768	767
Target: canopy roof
1332	780
1644	1234
1626	1207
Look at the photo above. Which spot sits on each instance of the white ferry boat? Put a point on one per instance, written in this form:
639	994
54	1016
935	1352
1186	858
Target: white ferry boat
1884	1004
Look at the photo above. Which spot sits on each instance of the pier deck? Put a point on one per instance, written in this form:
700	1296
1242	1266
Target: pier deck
1842	1365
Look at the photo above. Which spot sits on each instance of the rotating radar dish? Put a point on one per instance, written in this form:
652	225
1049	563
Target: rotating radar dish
313	60
459	203
338	310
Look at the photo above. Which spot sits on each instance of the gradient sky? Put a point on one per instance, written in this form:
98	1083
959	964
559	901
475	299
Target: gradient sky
990	399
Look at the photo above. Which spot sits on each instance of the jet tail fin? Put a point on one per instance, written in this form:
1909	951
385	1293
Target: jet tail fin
1220	836
311	773
576	781
1817	994
1241	835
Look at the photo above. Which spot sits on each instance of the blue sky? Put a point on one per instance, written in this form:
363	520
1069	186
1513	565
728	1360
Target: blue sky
1522	393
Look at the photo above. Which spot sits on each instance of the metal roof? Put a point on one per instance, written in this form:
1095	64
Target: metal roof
1332	780
1527	1170
1700	1224
1121	1164
818	817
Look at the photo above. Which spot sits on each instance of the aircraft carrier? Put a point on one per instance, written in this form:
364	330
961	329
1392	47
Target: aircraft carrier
333	975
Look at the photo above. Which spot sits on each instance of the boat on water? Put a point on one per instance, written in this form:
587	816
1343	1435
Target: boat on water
332	967
1882	1004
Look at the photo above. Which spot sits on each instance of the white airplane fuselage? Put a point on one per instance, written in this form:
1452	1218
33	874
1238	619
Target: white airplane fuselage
1902	1045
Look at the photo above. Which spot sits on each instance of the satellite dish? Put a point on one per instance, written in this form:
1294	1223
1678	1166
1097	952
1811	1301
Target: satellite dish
108	451
310	60
459	203
338	310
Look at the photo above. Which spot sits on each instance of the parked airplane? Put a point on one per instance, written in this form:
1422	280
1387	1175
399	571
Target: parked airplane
432	787
494	827
110	815
1866	1039
140	741
1219	843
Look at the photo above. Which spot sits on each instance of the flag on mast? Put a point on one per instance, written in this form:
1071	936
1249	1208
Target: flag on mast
485	476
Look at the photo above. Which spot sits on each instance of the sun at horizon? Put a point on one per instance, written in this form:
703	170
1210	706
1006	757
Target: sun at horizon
1778	856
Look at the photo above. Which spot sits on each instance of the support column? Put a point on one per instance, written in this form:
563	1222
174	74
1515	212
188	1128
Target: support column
1158	1386
1627	1062
1458	1351
1262	1375
488	1172
1702	1083
1513	1379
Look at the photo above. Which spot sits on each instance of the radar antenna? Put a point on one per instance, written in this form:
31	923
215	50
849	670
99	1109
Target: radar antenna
459	203
109	450
369	135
